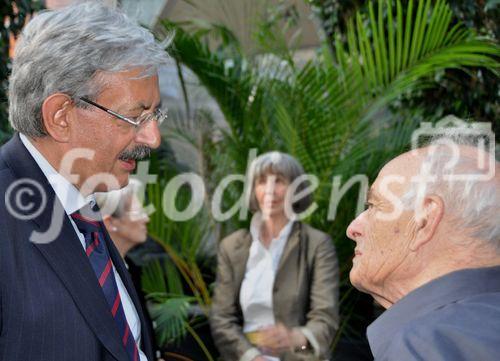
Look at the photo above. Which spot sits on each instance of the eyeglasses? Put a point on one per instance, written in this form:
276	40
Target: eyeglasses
157	115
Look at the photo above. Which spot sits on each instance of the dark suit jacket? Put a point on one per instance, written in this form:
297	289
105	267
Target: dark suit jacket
51	305
305	292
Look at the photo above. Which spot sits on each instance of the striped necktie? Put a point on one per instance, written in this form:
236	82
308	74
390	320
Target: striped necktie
95	246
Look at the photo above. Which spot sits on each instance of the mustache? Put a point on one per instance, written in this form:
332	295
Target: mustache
137	153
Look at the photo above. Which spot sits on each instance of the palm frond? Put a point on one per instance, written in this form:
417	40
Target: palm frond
384	59
171	316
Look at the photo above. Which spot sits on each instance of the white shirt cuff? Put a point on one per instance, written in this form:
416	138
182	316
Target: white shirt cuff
250	354
312	340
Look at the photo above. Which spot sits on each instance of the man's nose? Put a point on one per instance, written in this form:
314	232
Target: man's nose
354	229
149	134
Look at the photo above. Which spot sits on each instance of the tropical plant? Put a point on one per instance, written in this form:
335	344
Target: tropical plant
334	112
179	298
470	97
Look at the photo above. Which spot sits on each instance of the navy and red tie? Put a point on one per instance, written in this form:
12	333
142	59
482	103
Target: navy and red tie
99	258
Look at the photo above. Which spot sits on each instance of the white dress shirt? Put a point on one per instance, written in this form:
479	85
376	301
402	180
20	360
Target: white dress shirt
72	200
256	293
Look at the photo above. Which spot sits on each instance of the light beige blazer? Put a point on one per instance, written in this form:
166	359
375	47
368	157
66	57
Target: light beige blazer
305	292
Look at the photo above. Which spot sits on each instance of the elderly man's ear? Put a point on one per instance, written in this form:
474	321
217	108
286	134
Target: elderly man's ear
110	223
427	219
56	112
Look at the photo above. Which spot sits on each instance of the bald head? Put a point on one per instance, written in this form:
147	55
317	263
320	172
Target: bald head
445	162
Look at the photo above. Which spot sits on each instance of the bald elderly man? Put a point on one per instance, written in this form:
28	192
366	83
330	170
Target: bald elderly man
428	250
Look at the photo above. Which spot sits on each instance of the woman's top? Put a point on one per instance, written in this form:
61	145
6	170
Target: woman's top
256	294
304	293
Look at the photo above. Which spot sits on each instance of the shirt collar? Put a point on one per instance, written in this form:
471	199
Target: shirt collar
69	196
256	224
431	296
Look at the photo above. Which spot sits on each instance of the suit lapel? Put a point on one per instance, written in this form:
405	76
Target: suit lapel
291	249
65	253
240	259
67	258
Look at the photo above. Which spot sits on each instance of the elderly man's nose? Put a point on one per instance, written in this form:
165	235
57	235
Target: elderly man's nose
354	230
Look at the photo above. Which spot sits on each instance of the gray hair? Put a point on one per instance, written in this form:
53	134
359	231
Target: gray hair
474	203
283	164
64	51
116	203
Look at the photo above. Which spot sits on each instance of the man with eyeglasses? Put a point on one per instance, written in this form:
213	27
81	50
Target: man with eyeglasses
84	100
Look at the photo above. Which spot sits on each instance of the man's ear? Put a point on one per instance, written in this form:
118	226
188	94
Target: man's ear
55	114
428	217
109	222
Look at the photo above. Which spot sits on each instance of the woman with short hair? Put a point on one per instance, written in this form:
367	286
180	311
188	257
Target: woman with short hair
276	294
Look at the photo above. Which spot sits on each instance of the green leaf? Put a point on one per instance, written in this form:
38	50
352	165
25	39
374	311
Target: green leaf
171	316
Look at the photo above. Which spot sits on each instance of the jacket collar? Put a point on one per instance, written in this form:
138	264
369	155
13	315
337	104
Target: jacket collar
437	293
243	247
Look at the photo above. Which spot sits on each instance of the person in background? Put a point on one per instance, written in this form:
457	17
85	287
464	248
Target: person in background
126	221
276	292
428	250
124	217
